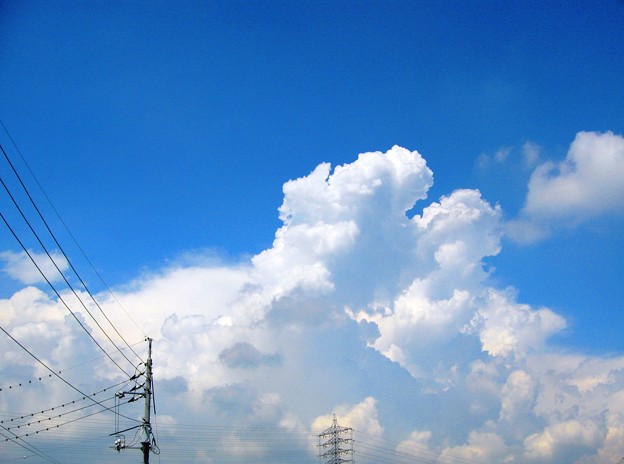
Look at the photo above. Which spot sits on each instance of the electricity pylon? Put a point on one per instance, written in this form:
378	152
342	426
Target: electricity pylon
336	444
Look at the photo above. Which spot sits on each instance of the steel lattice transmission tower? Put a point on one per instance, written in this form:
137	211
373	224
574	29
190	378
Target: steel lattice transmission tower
336	444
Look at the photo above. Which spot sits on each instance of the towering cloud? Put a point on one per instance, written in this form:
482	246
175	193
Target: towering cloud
376	305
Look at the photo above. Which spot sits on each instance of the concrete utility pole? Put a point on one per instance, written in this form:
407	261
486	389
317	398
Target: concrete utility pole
147	440
146	444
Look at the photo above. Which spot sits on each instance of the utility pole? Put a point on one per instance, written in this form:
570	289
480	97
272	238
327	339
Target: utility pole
334	446
147	440
146	444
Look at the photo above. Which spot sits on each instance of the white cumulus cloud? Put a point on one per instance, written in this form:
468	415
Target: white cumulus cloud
587	184
388	319
33	267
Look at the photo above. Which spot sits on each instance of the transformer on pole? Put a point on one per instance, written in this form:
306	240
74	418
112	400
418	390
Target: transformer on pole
336	444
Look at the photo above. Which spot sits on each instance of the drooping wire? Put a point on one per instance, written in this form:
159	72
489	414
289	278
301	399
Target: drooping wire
21	425
154	445
59	295
59	270
61	406
424	455
120	438
58	215
28	447
36	432
10	387
58	375
30	382
135	439
52	260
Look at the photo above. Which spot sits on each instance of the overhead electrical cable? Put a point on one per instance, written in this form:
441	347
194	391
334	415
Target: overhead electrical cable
53	423
383	454
19	209
57	375
21	425
265	442
425	454
36	432
30	382
61	406
58	215
59	295
28	447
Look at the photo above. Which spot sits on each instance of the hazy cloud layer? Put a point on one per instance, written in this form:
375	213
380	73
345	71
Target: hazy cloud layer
389	322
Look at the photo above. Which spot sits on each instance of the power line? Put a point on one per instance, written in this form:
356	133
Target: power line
30	382
62	251
27	446
58	215
61	406
425	454
35	432
58	294
59	271
54	373
54	418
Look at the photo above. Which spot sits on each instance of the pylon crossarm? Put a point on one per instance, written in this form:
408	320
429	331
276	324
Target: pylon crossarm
335	441
335	453
338	461
334	430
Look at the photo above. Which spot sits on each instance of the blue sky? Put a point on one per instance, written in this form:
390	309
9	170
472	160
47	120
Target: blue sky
165	134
